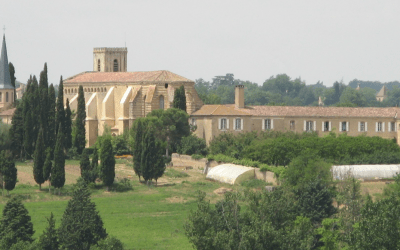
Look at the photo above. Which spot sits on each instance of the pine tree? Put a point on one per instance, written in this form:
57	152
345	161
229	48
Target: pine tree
39	159
17	131
180	98
48	165
13	78
68	126
107	163
51	118
49	239
8	171
58	170
60	113
15	224
81	225
85	167
80	131
137	147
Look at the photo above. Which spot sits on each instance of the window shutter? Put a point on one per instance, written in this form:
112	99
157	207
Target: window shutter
340	126
347	126
305	125
227	123
263	124
219	123
315	126
376	127
359	126
330	126
383	127
241	124
272	123
366	128
322	129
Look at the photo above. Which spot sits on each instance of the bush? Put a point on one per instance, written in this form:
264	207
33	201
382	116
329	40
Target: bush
123	185
197	157
254	183
120	145
108	243
192	145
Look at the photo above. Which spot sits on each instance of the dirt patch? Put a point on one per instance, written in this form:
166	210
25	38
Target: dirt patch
176	199
372	188
222	190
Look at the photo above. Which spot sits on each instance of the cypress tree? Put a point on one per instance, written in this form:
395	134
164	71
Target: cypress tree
180	99
49	239
15	224
148	157
81	225
51	122
60	113
68	126
107	163
159	165
35	102
39	158
95	163
48	165
85	167
17	131
13	78
80	131
27	118
43	93
8	171
58	170
137	147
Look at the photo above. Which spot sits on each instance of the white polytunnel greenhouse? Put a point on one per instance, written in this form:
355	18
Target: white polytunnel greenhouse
230	173
365	171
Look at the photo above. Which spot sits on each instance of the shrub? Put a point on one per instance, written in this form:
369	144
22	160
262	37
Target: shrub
254	183
192	145
197	157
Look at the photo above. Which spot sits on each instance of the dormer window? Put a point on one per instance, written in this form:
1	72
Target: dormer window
115	65
98	65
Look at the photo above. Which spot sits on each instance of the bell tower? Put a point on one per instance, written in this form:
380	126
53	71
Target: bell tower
110	59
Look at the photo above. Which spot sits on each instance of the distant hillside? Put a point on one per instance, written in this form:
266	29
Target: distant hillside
373	85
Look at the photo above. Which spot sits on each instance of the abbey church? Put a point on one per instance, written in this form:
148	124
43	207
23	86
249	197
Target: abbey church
115	97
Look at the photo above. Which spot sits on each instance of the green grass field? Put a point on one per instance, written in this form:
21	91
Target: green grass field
142	218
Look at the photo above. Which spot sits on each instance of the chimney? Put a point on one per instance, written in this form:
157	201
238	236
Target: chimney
239	96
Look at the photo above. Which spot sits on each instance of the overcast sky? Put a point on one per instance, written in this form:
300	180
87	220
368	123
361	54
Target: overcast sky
316	40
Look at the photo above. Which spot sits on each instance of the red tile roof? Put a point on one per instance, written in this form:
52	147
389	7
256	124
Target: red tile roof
126	77
221	110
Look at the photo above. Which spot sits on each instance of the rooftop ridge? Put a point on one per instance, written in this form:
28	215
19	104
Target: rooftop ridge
119	49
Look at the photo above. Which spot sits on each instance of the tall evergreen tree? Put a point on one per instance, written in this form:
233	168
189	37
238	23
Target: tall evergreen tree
107	162
95	163
138	129
81	225
68	126
58	170
48	165
8	170
49	239
150	159
39	159
85	167
13	78
80	131
60	113
44	103
15	224
51	118
180	99
17	131
28	113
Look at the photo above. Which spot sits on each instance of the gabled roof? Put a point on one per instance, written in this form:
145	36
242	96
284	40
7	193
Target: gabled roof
221	110
162	76
382	92
5	79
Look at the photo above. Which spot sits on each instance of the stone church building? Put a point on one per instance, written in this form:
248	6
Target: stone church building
115	97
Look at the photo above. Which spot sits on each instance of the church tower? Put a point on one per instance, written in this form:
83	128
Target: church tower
6	88
110	59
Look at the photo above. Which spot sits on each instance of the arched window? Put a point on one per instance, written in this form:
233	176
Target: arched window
6	96
91	90
98	65
115	65
161	102
76	90
98	89
85	89
105	89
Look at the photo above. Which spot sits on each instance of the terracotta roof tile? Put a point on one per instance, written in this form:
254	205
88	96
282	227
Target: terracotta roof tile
221	110
126	77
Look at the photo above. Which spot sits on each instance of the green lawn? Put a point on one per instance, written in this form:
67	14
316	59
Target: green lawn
142	218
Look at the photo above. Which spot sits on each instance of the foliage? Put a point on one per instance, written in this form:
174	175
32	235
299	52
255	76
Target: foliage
39	159
15	224
180	99
172	173
137	132
49	239
192	145
107	163
68	126
87	172
51	125
58	170
120	145
81	225
48	165
8	170
255	183
152	161
16	133
60	112
108	243
79	141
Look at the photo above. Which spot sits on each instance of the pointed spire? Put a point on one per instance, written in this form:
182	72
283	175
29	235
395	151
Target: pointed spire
5	79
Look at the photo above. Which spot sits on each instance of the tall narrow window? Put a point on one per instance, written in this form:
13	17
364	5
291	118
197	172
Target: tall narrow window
292	125
309	126
6	96
268	124
98	65
344	127
115	65
161	102
379	127
326	126
223	124
1	97
362	127
238	124
392	126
